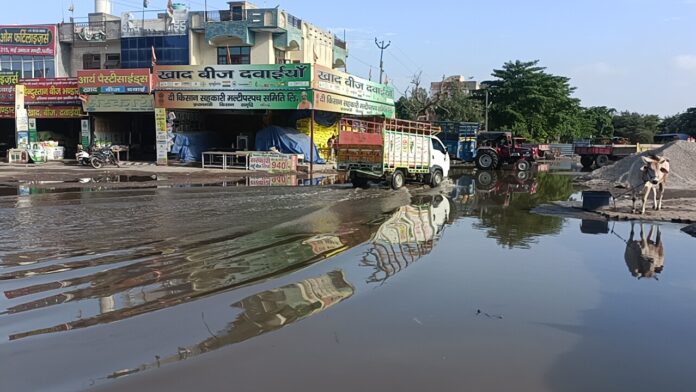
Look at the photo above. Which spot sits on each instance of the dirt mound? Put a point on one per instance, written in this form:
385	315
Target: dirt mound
626	172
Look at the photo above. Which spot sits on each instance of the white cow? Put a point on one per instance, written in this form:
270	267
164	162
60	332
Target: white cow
654	175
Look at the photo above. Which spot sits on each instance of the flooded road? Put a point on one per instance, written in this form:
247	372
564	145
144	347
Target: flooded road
258	288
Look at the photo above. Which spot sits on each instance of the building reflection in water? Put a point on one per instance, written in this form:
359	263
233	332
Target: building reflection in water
409	234
266	312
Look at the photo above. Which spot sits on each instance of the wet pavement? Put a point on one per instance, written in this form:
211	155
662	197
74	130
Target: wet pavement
260	288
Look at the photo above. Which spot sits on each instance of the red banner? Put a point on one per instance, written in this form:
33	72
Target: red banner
28	40
62	91
118	81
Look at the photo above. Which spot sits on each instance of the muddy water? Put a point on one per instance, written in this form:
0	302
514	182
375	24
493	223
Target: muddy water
203	289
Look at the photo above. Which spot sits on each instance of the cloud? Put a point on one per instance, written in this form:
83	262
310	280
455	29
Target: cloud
686	62
599	68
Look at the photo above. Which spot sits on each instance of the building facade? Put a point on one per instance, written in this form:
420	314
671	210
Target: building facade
442	87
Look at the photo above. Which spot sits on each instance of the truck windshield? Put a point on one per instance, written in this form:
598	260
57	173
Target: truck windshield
438	146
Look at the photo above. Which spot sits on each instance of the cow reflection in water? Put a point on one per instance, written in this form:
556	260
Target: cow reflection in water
645	258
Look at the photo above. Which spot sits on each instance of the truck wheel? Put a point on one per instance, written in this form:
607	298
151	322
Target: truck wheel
436	179
602	160
522	165
397	180
487	160
587	161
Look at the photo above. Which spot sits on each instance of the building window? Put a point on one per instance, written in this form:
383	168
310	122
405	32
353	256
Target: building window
91	61
113	61
237	13
237	55
136	52
29	66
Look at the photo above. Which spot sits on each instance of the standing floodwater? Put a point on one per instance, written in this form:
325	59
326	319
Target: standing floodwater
339	289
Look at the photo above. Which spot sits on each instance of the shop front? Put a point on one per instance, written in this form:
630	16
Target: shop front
54	112
8	80
234	106
121	111
224	107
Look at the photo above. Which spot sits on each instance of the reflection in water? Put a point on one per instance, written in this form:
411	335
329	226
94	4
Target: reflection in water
501	201
266	312
409	234
645	258
163	273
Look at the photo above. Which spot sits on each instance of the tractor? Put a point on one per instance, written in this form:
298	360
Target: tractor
498	148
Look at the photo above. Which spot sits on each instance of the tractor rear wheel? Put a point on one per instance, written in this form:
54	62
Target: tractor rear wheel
587	161
487	160
522	165
602	160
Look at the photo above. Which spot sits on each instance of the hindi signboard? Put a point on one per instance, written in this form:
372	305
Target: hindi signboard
7	111
59	91
233	77
161	136
28	40
357	107
332	81
119	103
54	111
118	81
272	162
242	100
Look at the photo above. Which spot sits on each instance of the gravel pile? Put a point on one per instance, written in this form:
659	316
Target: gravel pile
626	172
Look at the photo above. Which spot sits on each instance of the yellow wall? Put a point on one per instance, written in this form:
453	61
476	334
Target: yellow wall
322	134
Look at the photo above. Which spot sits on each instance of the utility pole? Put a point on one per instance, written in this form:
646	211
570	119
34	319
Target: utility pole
486	108
382	48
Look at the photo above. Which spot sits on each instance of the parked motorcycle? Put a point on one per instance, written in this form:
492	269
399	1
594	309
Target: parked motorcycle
83	157
103	156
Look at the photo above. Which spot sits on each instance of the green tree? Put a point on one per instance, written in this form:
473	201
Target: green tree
596	122
458	105
636	127
532	103
680	123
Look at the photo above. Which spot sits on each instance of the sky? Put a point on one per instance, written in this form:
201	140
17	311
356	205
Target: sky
635	55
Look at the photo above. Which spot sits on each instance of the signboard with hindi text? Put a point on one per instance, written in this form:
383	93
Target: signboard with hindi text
242	100
333	81
9	78
117	81
7	111
161	137
356	107
119	103
58	91
54	111
28	40
233	77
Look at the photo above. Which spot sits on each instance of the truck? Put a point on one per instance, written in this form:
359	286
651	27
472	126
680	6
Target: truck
391	150
603	155
459	138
